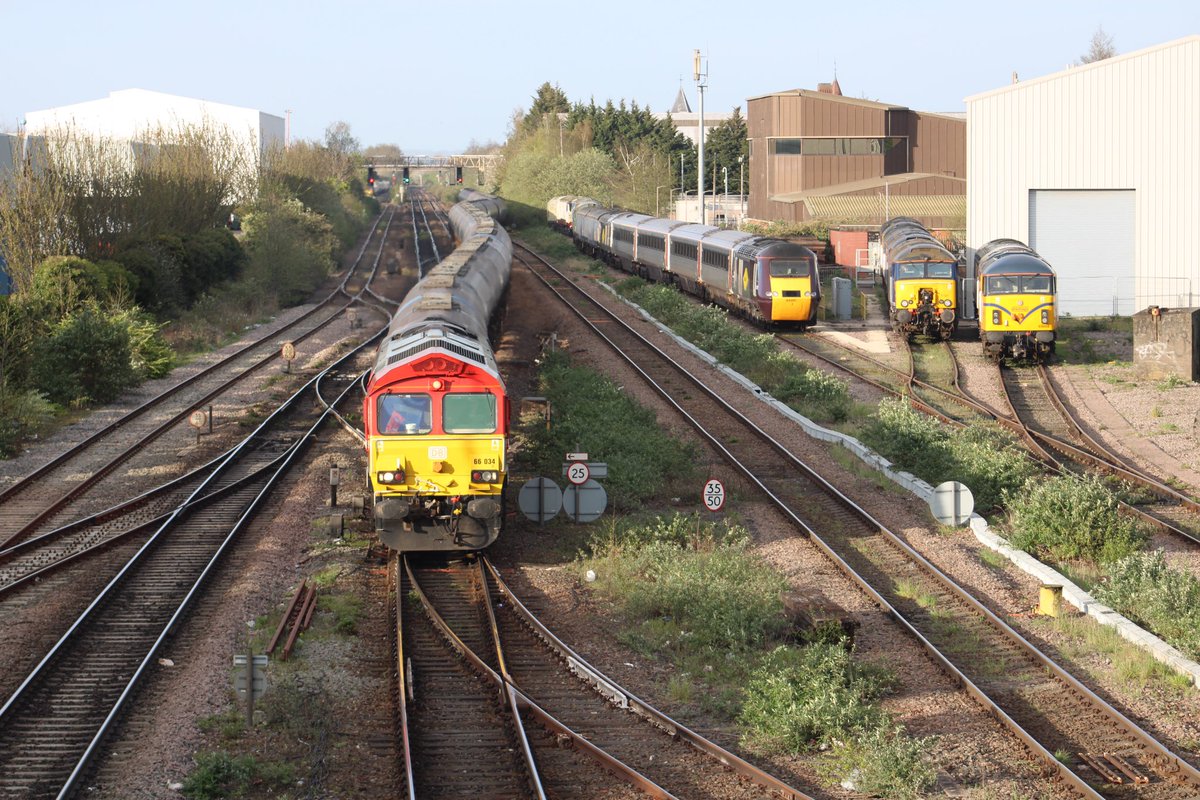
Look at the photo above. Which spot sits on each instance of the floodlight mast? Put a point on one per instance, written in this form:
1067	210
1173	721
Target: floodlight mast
700	74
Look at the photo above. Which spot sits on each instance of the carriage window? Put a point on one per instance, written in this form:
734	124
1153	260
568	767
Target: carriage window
790	269
405	414
1035	284
469	413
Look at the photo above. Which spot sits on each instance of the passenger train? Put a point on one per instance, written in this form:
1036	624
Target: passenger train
922	279
769	281
436	412
1016	296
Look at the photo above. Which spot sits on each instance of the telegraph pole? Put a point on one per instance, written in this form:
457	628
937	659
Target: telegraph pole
701	75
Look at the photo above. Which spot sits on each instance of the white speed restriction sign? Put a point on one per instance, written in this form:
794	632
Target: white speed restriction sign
714	495
578	473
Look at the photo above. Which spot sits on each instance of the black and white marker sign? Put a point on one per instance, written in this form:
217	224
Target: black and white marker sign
714	495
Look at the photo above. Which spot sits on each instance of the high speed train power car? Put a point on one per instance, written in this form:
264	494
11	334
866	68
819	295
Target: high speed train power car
769	281
922	279
1016	291
436	411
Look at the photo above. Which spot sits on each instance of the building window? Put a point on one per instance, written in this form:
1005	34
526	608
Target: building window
842	146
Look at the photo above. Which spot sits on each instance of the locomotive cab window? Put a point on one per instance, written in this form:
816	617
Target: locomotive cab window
1036	284
790	269
469	413
1001	284
404	414
939	270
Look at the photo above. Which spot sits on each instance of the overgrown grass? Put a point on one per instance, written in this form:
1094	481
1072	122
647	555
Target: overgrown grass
1144	588
219	775
592	414
983	456
1086	639
692	594
1094	340
814	393
1064	518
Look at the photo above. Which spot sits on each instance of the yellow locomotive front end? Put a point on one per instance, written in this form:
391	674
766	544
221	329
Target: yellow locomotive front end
437	468
925	298
1017	312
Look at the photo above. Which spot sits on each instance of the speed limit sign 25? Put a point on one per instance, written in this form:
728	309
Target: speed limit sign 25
714	495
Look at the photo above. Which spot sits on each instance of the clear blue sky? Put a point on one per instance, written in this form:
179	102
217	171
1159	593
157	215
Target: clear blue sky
432	75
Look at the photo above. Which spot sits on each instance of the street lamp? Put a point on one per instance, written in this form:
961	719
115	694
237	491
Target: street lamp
742	185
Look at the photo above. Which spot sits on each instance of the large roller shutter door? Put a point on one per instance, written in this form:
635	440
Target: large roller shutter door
1087	236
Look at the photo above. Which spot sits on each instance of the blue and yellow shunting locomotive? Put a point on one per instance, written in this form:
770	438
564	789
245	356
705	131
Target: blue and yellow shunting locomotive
1016	295
922	280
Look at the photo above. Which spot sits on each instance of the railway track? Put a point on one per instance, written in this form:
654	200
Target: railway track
1052	712
54	724
54	494
536	719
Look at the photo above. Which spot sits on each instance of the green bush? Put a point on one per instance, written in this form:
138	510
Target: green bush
23	414
883	763
1065	517
291	250
593	414
219	775
1167	601
159	277
150	355
86	358
65	284
715	596
982	456
798	699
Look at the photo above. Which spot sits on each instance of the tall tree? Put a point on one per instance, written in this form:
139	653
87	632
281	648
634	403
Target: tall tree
340	140
548	100
1101	47
726	143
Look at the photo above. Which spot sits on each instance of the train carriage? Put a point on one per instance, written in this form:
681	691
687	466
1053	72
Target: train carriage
1016	291
591	231
922	280
622	238
653	255
684	262
436	411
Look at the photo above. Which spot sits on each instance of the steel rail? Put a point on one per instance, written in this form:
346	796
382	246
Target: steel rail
609	688
1174	762
403	675
578	741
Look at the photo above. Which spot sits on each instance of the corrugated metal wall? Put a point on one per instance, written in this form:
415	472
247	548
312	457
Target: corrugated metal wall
1128	123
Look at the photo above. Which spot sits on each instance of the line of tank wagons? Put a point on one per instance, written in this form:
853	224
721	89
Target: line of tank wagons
777	283
436	411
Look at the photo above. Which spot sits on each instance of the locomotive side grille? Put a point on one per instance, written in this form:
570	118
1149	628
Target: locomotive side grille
457	349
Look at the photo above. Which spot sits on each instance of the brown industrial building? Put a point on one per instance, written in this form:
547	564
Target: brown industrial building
818	155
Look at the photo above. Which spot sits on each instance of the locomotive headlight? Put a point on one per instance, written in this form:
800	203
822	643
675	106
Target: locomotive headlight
995	317
485	476
390	476
808	294
1045	316
946	303
904	304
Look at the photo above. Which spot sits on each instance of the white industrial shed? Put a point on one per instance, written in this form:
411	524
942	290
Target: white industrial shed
1098	169
132	114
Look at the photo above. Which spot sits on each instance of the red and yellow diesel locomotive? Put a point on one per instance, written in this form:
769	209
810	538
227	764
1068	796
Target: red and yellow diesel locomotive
436	411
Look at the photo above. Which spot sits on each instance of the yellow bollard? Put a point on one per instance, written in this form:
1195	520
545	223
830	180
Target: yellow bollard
1050	600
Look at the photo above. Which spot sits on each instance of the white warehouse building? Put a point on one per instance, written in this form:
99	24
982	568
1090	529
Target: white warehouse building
130	115
1098	169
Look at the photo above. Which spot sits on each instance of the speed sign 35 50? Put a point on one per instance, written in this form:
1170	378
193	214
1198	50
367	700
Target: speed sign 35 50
714	495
